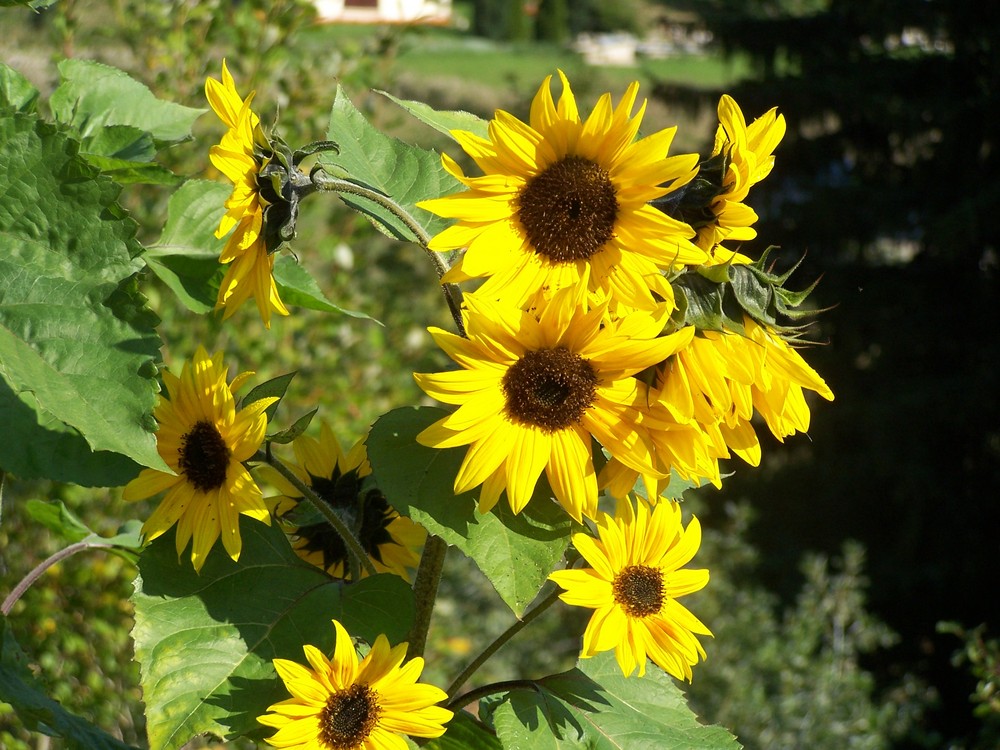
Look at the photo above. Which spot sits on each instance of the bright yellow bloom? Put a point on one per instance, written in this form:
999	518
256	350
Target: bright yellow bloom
392	541
780	375
534	393
565	202
749	157
204	439
633	583
340	704
236	156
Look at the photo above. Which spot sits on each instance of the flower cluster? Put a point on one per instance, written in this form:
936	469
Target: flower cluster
585	355
576	338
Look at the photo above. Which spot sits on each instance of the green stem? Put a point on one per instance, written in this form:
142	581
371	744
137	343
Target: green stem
506	686
500	640
39	570
356	553
425	592
452	293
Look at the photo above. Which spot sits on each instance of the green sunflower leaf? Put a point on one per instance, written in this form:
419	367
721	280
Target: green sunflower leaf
298	287
93	96
76	338
515	552
16	91
36	710
595	707
463	733
205	641
405	173
444	121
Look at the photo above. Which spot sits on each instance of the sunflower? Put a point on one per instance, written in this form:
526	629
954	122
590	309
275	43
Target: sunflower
565	202
633	583
780	375
204	439
340	704
748	157
534	393
391	540
240	156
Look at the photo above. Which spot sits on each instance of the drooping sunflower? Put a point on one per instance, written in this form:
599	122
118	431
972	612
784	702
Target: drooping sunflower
339	704
635	577
564	202
780	376
534	393
747	154
239	156
392	541
205	439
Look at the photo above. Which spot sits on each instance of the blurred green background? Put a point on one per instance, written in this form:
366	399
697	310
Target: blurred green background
834	564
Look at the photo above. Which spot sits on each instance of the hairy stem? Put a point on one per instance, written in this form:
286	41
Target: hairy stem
500	640
356	553
39	570
452	294
425	592
455	704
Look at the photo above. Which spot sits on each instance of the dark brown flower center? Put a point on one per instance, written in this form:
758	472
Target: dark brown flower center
569	210
549	388
638	590
204	456
348	717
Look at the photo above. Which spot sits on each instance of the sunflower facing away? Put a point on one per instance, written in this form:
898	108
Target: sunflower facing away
339	704
534	392
204	439
238	157
564	202
633	583
392	541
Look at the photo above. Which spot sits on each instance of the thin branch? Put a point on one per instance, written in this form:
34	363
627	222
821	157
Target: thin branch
452	293
39	570
491	689
500	640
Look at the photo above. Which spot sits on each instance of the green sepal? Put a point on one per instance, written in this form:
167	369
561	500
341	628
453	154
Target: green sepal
273	388
292	433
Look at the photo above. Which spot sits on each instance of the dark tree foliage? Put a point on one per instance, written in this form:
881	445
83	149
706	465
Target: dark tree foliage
889	182
552	21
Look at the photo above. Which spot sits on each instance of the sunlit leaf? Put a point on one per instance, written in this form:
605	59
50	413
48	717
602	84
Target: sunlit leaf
443	121
93	95
515	552
406	173
205	641
77	341
595	707
16	91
